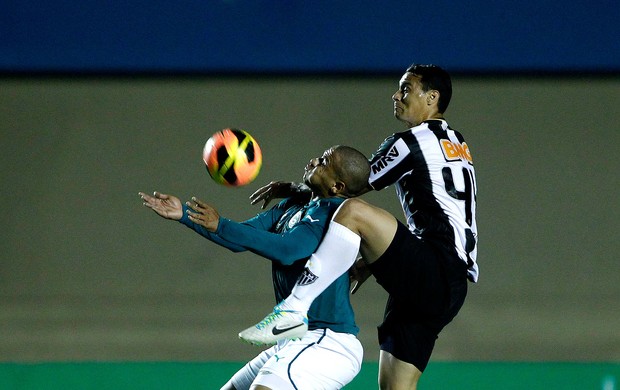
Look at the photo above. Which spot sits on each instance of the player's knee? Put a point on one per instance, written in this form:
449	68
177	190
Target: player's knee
394	383
351	212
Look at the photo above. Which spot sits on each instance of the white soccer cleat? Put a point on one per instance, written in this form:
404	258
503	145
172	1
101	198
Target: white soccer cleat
278	325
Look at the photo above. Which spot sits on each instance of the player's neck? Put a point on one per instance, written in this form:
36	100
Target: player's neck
436	116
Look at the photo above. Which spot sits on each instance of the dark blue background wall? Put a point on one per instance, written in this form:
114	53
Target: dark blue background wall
206	36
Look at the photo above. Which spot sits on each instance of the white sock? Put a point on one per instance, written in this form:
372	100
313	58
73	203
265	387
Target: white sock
334	256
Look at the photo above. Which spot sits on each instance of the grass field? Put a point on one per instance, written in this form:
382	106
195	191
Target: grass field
211	375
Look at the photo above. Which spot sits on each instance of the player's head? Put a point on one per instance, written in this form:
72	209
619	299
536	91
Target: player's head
432	77
424	92
341	171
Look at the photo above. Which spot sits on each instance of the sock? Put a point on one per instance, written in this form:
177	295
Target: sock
334	256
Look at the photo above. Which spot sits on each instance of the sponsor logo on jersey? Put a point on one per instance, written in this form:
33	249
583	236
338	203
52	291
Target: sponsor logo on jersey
454	151
396	153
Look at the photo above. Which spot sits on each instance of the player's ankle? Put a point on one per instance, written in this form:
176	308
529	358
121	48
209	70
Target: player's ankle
291	303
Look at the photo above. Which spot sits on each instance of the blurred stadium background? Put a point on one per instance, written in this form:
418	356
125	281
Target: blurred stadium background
102	100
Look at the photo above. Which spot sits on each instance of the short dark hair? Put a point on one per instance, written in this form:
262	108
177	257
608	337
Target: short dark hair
434	77
352	168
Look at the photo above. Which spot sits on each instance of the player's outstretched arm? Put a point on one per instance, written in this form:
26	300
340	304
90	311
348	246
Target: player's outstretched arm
167	206
278	189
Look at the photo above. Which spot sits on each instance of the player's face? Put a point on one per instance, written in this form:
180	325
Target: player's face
319	174
410	101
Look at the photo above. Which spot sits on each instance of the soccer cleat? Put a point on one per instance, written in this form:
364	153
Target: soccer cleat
278	325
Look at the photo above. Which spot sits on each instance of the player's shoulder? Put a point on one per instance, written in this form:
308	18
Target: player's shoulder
417	133
323	207
329	203
433	130
290	202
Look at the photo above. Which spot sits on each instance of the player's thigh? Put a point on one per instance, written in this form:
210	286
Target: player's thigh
331	363
321	360
373	224
395	374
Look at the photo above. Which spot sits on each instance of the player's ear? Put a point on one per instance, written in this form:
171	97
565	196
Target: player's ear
338	188
432	96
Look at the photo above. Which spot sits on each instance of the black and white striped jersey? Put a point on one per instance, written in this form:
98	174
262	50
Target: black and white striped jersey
432	169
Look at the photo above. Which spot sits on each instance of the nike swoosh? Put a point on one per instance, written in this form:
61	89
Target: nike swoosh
277	331
310	218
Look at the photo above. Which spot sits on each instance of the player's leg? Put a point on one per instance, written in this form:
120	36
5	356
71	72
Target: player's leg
395	374
289	318
356	226
323	359
375	226
427	289
242	379
228	386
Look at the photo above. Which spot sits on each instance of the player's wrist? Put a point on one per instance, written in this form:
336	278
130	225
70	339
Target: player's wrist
300	188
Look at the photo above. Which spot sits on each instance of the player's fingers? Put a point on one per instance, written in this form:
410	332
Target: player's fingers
354	286
266	202
200	203
256	194
193	206
352	277
256	199
196	216
159	195
197	201
147	200
259	194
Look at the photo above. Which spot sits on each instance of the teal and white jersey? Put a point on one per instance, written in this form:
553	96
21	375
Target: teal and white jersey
288	234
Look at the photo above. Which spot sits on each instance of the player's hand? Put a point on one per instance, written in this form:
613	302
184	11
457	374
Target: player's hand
358	273
203	214
278	189
167	206
275	189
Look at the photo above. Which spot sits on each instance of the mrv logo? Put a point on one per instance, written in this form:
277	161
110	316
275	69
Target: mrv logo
392	155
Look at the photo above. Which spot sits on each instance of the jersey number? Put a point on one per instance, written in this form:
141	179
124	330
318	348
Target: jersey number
467	195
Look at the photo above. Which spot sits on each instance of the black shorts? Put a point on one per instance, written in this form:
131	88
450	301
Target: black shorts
427	288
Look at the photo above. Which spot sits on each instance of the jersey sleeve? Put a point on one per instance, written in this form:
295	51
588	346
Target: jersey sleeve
264	220
297	242
390	162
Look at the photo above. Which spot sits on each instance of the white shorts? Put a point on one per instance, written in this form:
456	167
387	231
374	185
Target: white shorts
323	359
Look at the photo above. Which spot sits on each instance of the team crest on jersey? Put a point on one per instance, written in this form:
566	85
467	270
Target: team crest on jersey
295	219
454	151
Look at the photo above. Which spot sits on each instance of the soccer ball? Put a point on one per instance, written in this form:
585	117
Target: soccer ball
233	157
